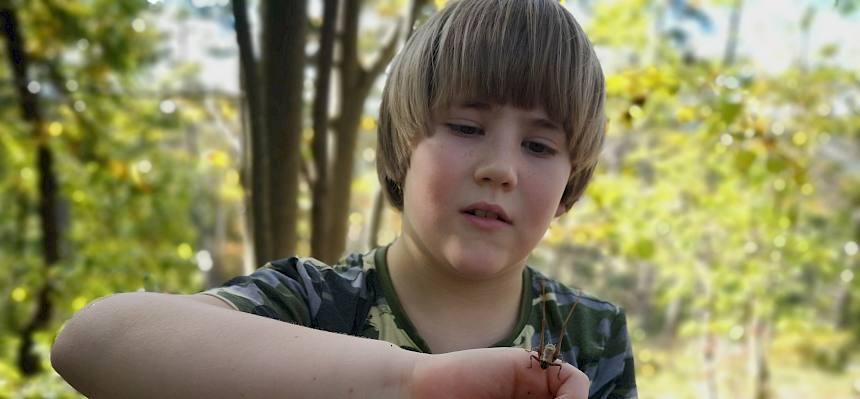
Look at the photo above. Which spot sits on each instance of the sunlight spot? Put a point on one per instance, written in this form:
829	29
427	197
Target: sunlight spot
779	184
27	174
144	166
356	218
204	260
55	129
34	87
850	248
368	123
779	241
138	25
368	155
19	294
777	128
167	107
736	333
799	139
79	303
184	251
232	177
846	276
775	256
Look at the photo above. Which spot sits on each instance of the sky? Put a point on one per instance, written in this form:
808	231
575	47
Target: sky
769	33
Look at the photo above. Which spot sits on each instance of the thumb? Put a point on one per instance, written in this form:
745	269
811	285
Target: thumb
572	384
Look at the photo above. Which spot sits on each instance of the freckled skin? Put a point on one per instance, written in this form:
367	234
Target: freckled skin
450	170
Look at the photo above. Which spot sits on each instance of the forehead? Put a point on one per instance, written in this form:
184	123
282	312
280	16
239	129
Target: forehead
535	117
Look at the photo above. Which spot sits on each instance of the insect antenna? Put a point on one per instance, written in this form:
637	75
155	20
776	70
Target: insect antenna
563	326
543	315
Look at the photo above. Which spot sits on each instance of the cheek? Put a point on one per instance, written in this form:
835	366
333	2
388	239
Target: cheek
545	186
433	174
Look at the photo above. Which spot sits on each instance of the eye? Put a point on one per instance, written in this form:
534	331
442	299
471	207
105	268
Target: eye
538	148
464	130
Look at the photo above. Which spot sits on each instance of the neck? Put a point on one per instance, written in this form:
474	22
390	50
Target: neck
451	312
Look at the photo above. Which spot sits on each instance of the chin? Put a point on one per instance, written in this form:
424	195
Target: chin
474	264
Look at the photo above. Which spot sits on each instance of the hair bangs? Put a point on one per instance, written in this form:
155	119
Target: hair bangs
511	52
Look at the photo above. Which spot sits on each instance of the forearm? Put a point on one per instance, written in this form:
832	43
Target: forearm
159	345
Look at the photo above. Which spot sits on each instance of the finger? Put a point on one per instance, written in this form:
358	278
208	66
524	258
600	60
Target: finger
572	384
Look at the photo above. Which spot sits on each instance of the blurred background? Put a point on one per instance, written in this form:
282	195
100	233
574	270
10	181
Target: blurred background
724	216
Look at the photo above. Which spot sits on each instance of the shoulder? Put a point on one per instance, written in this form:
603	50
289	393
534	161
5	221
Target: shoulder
311	271
597	340
564	295
596	326
306	291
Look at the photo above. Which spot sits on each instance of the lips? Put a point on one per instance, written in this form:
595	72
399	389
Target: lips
487	211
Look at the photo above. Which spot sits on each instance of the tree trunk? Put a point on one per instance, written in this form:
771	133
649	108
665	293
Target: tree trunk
284	30
379	198
375	219
761	369
644	291
842	311
709	357
28	362
321	200
671	321
255	167
734	29
355	83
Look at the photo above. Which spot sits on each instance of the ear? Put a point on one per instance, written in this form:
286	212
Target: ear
561	210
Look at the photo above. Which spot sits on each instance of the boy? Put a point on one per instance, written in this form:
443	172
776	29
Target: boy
490	126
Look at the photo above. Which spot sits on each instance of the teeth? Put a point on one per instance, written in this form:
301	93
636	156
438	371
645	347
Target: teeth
486	214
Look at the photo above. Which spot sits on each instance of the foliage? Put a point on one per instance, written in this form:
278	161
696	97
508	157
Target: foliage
142	166
726	200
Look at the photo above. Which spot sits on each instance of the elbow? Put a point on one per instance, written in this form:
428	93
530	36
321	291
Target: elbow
85	335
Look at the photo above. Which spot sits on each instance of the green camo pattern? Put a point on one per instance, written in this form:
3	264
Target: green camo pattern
356	297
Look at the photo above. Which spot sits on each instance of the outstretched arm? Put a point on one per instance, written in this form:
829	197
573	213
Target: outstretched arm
142	345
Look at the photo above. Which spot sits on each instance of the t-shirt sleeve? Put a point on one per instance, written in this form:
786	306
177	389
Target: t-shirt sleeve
306	292
616	377
277	291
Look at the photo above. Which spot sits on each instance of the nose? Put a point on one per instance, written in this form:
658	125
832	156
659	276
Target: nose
497	168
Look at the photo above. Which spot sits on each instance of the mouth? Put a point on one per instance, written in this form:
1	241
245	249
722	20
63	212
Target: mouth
487	211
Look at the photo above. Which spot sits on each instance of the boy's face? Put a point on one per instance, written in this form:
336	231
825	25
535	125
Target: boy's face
480	158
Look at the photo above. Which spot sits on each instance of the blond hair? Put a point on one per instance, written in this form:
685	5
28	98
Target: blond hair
523	53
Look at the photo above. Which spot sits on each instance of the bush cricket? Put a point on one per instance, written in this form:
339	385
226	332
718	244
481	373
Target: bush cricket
548	354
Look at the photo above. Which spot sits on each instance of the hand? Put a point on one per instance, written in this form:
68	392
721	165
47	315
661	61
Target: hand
493	373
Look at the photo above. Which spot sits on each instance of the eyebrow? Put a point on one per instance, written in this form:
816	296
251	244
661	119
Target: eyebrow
538	122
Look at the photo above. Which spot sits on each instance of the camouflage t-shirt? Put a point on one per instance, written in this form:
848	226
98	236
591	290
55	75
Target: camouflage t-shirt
356	297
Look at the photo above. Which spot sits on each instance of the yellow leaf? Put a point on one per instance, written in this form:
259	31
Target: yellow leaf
117	169
219	159
685	114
